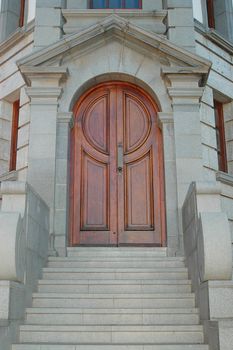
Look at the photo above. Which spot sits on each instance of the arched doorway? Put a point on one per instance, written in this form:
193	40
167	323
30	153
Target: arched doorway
117	180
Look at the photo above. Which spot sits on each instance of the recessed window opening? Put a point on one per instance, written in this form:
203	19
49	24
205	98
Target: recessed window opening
116	4
197	10
220	135
27	11
14	136
31	10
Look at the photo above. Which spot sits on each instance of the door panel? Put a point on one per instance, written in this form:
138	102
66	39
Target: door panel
94	189
136	124
117	173
139	194
95	124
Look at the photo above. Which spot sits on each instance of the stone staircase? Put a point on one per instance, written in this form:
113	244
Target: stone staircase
113	299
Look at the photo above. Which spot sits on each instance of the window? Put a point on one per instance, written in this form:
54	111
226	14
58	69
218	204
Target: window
22	11
215	14
117	4
27	11
14	135
197	10
31	10
220	135
210	13
219	14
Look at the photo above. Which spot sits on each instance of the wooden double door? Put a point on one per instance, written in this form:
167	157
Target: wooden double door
116	193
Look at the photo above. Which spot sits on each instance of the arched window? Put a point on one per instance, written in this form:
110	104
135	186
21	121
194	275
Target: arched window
116	4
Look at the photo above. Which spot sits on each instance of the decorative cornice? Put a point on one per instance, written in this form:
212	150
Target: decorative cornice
225	178
185	70
44	73
116	26
196	75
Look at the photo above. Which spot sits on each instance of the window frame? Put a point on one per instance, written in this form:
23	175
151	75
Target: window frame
220	136
23	16
121	8
14	136
22	13
210	13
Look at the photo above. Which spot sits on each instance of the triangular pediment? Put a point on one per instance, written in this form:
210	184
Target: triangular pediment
117	27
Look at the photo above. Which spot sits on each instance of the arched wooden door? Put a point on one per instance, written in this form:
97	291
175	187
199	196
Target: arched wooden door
116	169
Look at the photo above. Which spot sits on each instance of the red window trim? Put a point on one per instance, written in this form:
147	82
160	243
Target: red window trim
210	13
14	136
22	13
123	3
221	140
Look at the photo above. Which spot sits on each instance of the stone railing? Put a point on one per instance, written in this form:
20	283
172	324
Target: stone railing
24	229
207	244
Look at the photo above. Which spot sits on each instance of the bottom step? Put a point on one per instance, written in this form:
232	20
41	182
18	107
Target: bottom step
108	347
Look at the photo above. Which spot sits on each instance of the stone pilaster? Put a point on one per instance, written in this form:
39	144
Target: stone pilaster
185	93
61	183
166	121
48	22
180	24
44	94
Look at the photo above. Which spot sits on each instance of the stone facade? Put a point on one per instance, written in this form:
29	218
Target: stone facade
47	65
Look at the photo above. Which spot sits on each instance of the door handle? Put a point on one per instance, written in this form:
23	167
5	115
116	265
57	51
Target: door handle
120	157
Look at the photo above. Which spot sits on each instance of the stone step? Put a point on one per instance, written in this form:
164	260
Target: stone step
68	262
103	257
127	252
69	300
50	310
109	347
105	274
130	282
61	316
112	334
113	286
109	249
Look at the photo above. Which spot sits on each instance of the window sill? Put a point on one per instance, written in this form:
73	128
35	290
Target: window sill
10	176
15	37
214	36
225	178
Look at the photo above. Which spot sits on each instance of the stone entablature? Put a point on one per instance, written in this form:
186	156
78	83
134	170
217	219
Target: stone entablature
77	20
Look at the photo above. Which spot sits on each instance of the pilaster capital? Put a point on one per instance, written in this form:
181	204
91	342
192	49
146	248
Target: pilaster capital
185	95
42	76
186	84
64	117
165	118
44	95
44	83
